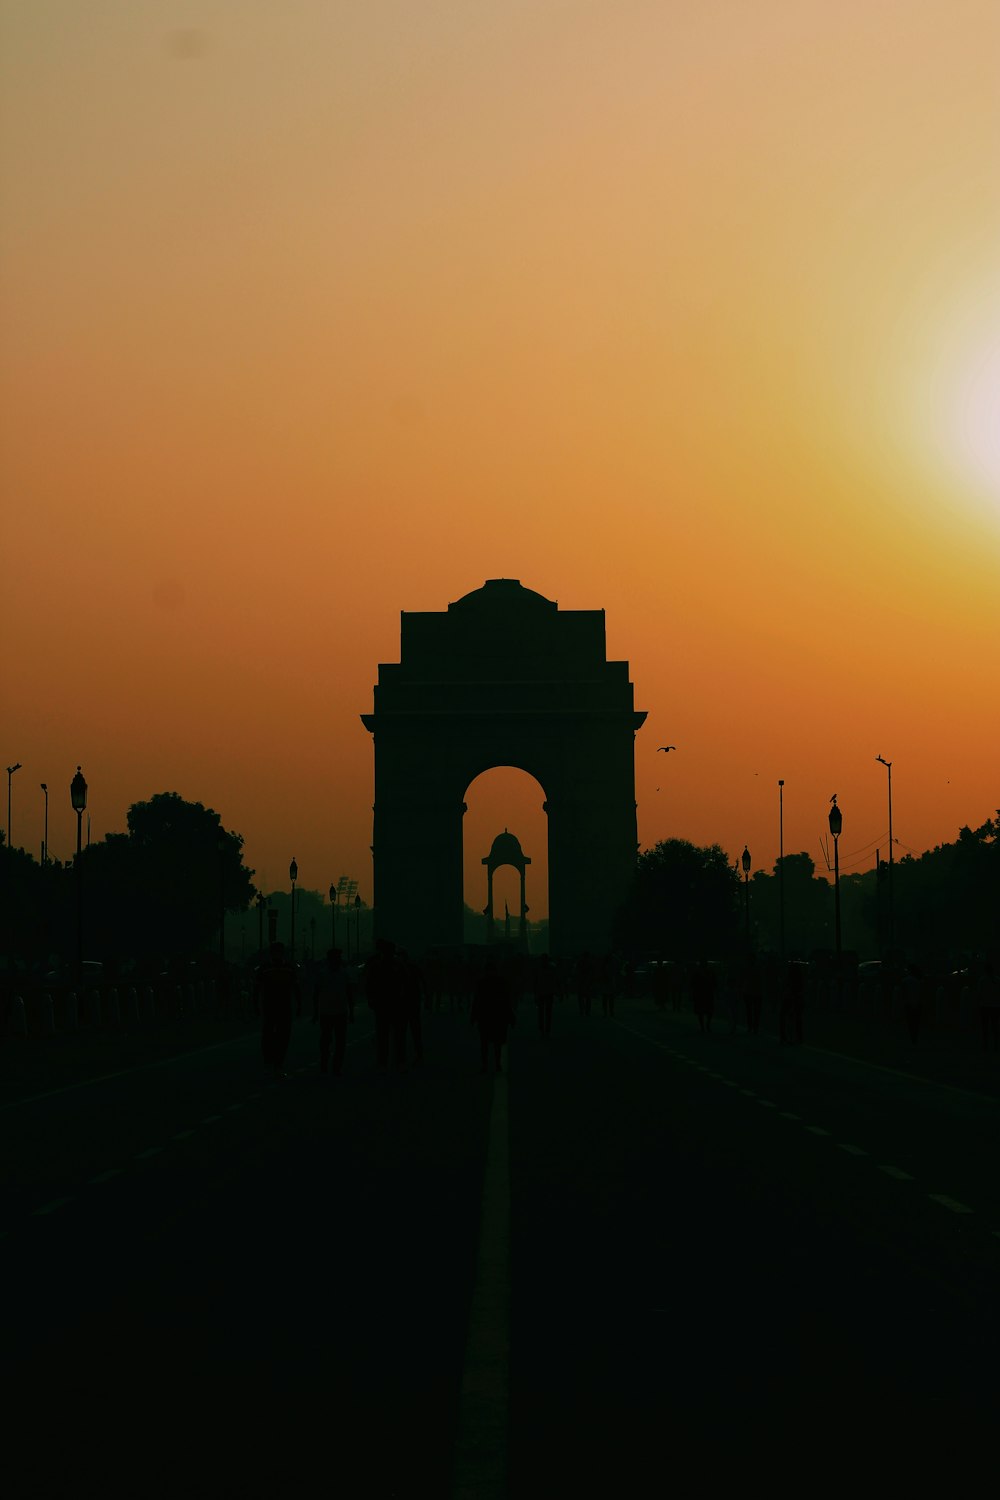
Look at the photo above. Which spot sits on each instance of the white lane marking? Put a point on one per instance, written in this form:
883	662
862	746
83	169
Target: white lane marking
786	1114
230	1107
151	1151
106	1176
183	1135
50	1208
851	1150
211	1119
895	1172
479	1470
751	1093
767	1103
817	1130
951	1203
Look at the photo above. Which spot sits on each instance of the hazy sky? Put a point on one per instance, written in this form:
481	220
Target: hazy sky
317	311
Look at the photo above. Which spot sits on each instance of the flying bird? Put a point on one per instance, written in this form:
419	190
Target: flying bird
666	747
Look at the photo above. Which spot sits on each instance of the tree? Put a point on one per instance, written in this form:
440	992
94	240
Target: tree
684	903
160	889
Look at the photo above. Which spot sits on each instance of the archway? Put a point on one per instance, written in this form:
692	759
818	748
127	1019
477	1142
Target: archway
502	678
504	804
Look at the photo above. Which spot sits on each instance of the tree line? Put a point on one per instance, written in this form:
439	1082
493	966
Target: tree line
688	901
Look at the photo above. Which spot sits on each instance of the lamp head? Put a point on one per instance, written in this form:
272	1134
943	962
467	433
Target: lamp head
745	860
293	872
357	902
43	786
836	818
78	792
333	895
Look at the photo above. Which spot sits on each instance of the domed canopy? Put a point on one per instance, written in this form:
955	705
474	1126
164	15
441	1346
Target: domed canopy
506	850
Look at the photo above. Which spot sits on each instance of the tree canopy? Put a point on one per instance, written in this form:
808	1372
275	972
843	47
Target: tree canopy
684	903
158	890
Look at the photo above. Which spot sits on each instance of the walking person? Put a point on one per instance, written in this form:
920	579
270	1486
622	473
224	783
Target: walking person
585	979
275	991
333	1007
413	993
988	999
913	988
382	991
753	993
793	994
703	986
546	987
608	978
492	1010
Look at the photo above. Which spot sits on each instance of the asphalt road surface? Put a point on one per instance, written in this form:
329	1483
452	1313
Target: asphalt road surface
636	1250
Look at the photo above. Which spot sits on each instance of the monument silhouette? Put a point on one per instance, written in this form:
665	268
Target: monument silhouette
503	677
506	850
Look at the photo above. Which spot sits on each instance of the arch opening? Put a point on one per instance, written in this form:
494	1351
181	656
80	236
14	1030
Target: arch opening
505	800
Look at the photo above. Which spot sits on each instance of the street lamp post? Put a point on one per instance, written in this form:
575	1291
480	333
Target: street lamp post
334	893
312	939
836	824
10	775
293	875
45	840
745	861
78	798
221	849
261	903
781	865
357	927
892	931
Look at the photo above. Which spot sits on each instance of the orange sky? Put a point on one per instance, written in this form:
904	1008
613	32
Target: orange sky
316	311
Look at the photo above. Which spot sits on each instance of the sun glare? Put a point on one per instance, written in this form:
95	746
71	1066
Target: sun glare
976	417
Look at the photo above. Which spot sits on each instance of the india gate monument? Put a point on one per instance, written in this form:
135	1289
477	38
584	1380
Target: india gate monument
502	677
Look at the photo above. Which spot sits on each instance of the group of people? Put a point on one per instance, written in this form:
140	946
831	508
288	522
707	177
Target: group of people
396	993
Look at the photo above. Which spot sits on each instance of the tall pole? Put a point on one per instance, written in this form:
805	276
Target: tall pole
293	875
745	859
260	921
10	774
836	891
45	840
781	864
892	927
78	800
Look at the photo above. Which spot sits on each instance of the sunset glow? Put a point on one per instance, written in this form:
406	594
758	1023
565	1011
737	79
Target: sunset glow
316	312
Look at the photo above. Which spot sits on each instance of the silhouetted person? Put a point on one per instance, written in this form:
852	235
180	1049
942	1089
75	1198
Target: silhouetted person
413	994
608	980
913	986
753	993
333	1006
703	986
382	991
585	982
275	991
793	996
987	995
492	1010
546	983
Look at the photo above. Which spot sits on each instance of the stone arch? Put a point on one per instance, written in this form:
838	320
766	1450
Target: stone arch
502	678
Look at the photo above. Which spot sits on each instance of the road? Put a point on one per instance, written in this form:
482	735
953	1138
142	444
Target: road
638	1244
